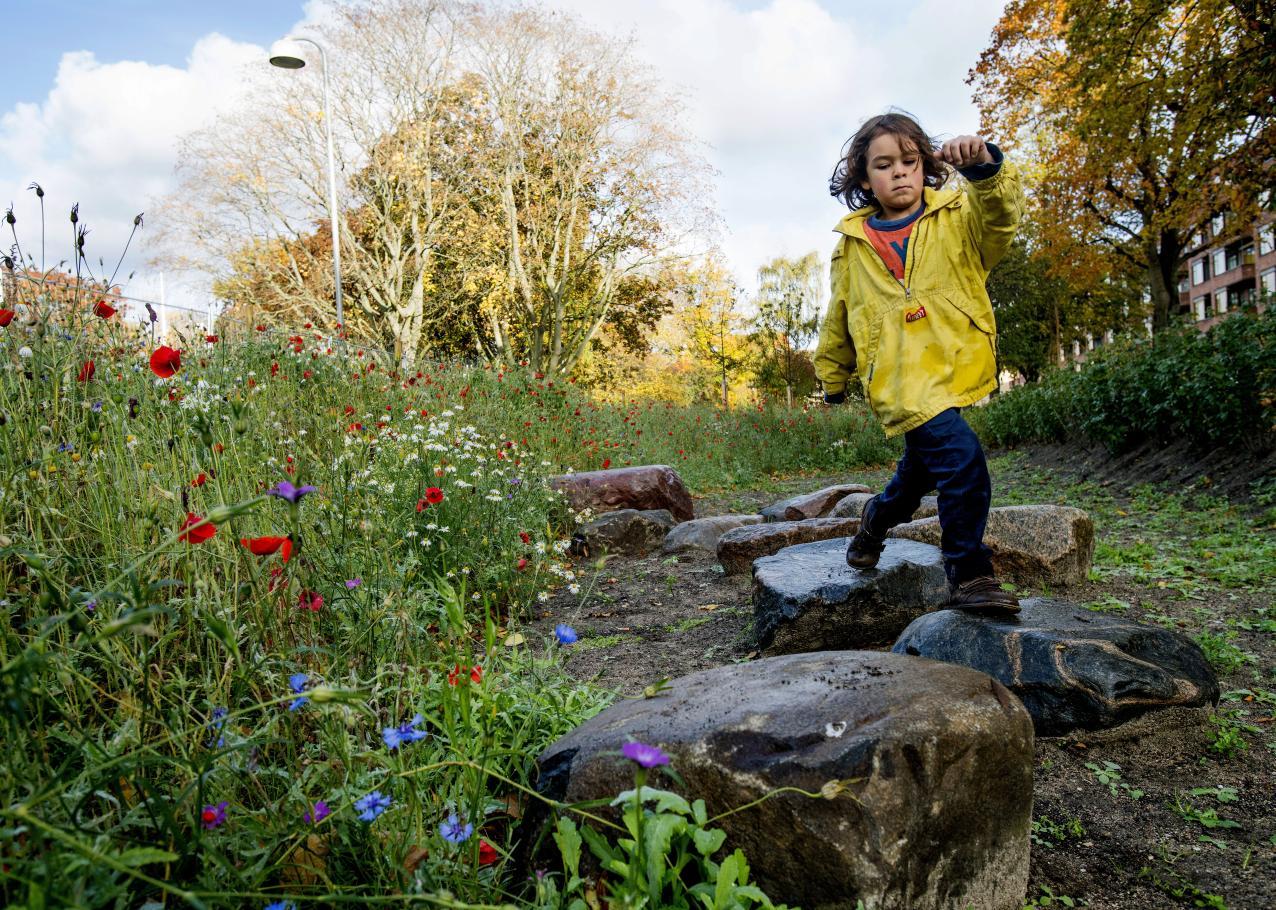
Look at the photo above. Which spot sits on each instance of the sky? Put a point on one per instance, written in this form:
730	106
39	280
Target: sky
95	97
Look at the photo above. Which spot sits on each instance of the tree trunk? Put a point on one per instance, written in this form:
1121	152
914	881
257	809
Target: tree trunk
1163	262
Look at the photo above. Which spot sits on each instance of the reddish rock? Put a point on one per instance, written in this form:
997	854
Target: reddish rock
642	487
812	505
738	547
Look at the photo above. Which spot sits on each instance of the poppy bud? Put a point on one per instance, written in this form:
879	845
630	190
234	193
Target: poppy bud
137	222
39	190
8	216
75	214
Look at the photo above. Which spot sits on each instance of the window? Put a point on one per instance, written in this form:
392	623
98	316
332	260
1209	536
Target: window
1216	225
1201	306
1221	300
1200	271
1266	239
1269	281
1198	238
1220	262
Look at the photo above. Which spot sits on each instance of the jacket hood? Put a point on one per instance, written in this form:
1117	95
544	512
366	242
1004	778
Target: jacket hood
853	224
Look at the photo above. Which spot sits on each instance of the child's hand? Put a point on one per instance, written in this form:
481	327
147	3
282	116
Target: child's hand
965	151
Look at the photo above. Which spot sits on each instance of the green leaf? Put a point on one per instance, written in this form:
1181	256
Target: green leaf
658	832
568	840
597	844
708	840
141	856
220	630
726	881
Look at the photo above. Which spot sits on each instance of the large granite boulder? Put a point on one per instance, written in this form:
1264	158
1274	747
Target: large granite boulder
738	547
704	533
853	506
1048	545
628	531
806	598
649	486
1071	668
934	765
811	505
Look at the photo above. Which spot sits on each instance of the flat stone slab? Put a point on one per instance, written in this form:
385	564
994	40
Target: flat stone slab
649	486
1043	544
806	598
811	505
704	533
1071	668
853	506
739	547
939	811
630	531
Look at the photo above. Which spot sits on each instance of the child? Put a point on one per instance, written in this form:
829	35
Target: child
910	316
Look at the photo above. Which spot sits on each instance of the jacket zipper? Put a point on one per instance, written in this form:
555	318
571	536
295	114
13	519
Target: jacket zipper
903	283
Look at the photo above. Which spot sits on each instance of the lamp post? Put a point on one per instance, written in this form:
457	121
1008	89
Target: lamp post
285	54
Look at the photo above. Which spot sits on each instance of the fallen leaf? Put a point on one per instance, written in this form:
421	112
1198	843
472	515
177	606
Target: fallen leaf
709	608
513	641
414	858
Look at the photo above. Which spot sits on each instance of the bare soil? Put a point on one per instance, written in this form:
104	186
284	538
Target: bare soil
644	619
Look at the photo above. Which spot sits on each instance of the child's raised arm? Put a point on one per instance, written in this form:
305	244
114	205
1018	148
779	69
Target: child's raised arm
995	199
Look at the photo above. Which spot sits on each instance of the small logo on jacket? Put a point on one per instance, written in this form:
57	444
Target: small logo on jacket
919	313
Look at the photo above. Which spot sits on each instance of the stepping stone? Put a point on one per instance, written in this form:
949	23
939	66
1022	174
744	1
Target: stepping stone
739	547
704	533
1031	545
806	598
811	505
651	486
1071	668
941	756
853	506
628	531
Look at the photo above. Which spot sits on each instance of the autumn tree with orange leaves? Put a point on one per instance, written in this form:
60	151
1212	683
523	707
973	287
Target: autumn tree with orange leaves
1141	118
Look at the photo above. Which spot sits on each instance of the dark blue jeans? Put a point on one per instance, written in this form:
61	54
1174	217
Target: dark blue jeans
942	454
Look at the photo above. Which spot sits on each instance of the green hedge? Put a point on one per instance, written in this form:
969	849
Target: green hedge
1199	389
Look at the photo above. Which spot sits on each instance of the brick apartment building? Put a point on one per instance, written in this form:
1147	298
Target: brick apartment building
1226	265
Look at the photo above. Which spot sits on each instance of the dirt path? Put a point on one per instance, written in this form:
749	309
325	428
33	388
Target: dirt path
644	619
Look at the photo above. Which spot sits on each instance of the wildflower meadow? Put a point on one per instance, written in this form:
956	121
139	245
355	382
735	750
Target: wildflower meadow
262	606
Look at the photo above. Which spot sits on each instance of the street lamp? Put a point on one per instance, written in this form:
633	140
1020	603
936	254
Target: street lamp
286	54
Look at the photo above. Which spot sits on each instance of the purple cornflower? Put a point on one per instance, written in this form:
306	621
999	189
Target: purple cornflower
281	905
403	733
285	490
91	606
215	724
454	831
372	805
96	407
317	814
213	816
565	634
352	583
644	755
297	682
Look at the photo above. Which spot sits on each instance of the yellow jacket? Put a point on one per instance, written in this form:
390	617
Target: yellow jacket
928	343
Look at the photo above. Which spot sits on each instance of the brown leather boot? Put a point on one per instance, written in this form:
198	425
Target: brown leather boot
983	594
864	549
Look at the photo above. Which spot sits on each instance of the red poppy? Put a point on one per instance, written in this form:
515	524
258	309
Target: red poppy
165	362
476	674
264	546
487	853
433	495
606	463
103	310
87	371
261	328
6	317
200	479
521	564
524	537
310	600
197	535
274	369
211	339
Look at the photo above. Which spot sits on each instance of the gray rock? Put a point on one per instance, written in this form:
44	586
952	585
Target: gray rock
649	486
806	598
739	547
811	505
1046	544
934	764
626	531
853	506
1071	668
703	533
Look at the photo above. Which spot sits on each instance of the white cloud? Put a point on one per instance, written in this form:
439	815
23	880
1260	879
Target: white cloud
775	91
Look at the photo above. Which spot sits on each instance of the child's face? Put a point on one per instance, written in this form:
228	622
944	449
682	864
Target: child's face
894	175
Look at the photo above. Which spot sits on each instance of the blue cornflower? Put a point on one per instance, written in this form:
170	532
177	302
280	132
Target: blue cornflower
372	805
285	490
66	447
297	682
216	723
404	733
565	634
281	905
96	407
454	831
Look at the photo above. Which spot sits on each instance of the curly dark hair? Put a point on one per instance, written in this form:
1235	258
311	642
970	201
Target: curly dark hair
852	168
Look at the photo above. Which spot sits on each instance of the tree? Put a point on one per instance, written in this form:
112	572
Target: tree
789	305
1146	117
714	325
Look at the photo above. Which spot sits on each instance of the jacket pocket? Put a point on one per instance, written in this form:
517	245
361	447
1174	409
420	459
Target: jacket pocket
979	312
